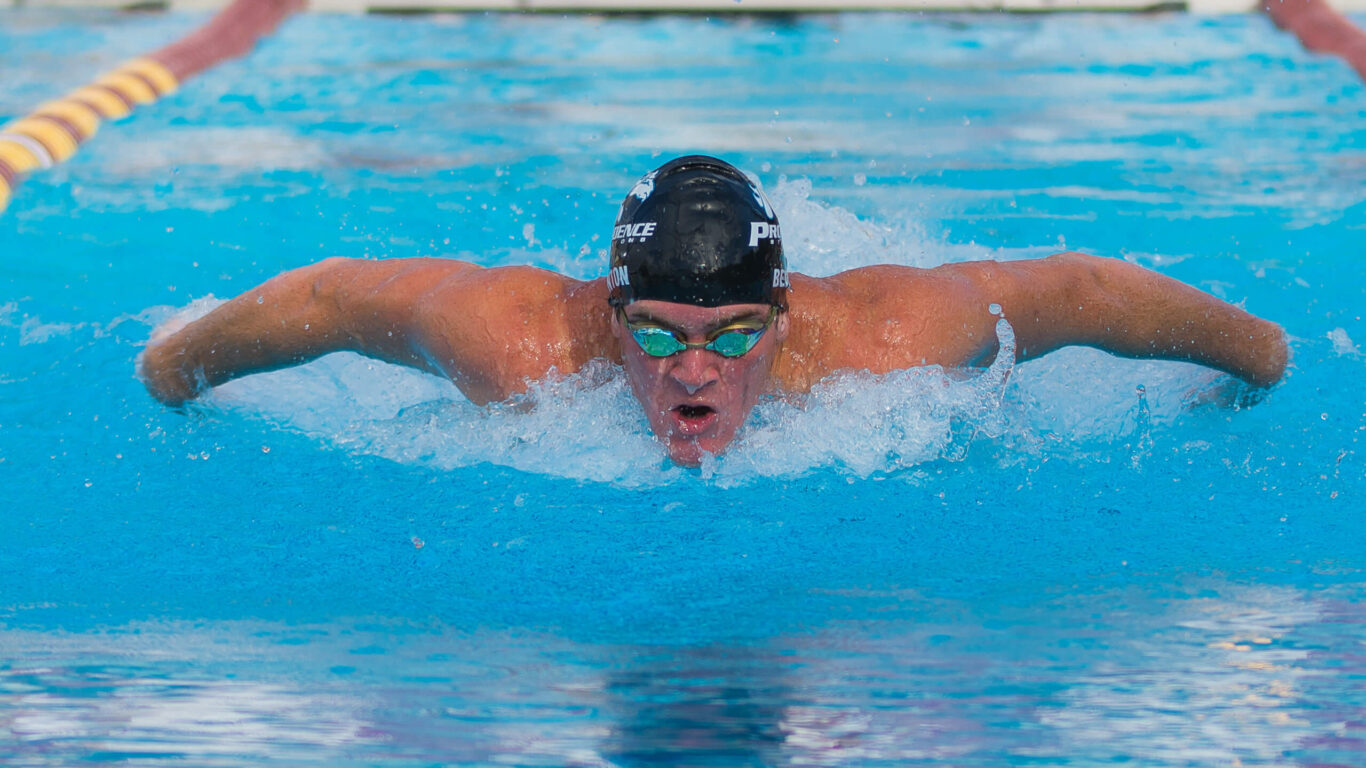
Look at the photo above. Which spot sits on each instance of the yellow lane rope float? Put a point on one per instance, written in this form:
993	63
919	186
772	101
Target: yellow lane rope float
54	131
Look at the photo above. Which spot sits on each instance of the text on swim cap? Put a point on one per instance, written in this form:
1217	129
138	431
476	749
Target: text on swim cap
617	277
631	231
762	230
780	279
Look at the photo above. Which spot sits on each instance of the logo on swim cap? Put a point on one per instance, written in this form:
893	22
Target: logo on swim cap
645	187
763	200
697	231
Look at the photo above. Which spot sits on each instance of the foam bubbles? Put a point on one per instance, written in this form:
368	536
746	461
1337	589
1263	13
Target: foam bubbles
588	426
584	427
1342	343
861	424
821	239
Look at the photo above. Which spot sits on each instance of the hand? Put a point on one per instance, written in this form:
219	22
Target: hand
161	368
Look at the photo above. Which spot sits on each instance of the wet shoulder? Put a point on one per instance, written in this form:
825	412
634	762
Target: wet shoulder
494	329
879	319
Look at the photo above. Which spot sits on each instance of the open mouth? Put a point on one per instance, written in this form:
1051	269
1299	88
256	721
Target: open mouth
693	419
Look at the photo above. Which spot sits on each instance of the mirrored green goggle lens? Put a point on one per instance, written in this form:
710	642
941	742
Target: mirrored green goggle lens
658	342
734	343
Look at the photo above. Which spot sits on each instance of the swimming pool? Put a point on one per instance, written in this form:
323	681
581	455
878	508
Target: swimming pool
346	564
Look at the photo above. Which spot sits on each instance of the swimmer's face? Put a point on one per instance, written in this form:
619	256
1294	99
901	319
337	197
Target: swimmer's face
697	399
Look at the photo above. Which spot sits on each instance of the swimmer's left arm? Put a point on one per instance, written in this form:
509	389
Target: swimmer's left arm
1121	308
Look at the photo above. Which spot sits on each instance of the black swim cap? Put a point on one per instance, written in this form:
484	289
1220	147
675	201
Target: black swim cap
696	231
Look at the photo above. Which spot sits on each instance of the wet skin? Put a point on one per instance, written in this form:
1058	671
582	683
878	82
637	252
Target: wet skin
696	400
493	331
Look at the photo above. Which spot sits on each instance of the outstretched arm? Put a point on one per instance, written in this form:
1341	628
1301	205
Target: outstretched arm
334	305
489	330
1073	298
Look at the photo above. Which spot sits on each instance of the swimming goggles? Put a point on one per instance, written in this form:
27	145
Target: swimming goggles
731	341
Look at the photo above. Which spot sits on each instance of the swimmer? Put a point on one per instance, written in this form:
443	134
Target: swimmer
700	311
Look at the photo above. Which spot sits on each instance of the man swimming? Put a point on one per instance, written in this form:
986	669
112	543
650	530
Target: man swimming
699	309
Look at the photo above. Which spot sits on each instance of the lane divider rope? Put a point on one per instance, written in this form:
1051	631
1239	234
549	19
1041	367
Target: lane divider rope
54	131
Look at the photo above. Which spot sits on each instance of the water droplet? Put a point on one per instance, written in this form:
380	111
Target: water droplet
261	299
994	308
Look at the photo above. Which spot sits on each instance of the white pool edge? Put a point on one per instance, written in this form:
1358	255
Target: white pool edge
697	6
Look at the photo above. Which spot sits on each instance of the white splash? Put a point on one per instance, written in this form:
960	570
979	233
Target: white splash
35	331
821	239
1342	343
589	426
862	424
586	426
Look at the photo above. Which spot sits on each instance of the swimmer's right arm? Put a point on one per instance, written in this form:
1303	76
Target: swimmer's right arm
330	306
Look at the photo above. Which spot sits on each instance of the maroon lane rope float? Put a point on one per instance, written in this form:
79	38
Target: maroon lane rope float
1321	28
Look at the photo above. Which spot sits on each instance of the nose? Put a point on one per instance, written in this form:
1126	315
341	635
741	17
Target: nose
695	369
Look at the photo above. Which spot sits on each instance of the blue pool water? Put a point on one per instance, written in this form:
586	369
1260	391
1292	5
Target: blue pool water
348	565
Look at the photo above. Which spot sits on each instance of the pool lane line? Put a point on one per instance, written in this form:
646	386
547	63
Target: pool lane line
1321	28
54	131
